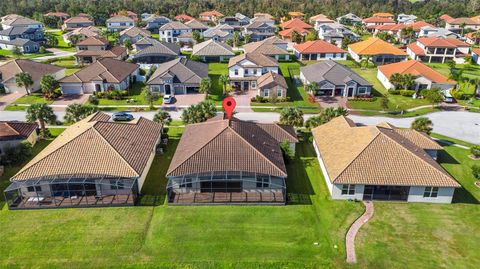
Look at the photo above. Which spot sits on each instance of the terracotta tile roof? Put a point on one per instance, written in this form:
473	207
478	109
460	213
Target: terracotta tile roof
471	35
212	13
93	148
414	68
35	69
288	32
86	31
257	59
376	155
183	17
110	70
241	145
476	51
78	19
93	41
270	80
375	46
320	17
318	46
295	14
476	18
416	26
459	21
12	130
268	46
378	20
383	14
57	14
442	42
416	49
295	23
445	17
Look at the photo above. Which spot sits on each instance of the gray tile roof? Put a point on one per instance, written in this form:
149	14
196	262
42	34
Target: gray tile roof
332	72
182	70
212	48
160	48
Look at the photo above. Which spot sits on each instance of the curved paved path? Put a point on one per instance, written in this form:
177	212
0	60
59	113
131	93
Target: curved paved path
352	232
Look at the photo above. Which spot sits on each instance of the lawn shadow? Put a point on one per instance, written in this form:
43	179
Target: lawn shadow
463	196
444	157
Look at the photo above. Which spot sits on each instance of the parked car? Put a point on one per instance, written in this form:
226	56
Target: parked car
448	98
122	116
167	99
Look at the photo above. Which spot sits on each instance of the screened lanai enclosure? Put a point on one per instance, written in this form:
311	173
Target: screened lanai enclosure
71	192
230	187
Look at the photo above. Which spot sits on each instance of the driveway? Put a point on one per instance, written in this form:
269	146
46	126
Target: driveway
57	53
65	100
243	100
186	100
9	98
329	101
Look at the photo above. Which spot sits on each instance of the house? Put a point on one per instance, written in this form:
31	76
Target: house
295	24
94	48
272	46
77	22
406	18
146	42
318	50
287	34
212	51
431	31
377	51
183	18
349	19
132	15
93	163
425	77
154	22
119	23
245	69
145	15
376	163
234	22
82	33
156	53
210	16
335	32
24	45
383	15
33	34
296	15
335	79
438	50
396	30
473	38
263	16
172	31
179	76
134	34
259	30
60	15
476	56
13	133
252	170
221	32
372	22
320	18
14	20
459	24
102	75
196	25
272	85
35	69
244	20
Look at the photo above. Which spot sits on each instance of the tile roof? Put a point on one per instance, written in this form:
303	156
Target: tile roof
174	25
18	20
414	68
476	51
320	17
257	59
317	46
467	21
212	48
270	80
268	46
134	31
183	17
376	155
108	69
78	19
35	69
159	48
378	20
195	24
445	17
57	14
120	19
288	32
242	146
182	70
295	23
86	31
114	52
13	130
332	72
416	49
96	148
93	41
382	14
442	42
375	46
212	13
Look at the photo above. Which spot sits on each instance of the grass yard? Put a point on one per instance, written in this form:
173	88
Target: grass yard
33	98
469	70
215	70
137	92
8	54
61	43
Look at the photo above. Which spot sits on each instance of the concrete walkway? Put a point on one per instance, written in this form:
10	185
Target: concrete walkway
352	232
57	53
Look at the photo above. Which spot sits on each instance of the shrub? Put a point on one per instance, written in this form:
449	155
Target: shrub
17	154
259	99
41	49
142	72
394	91
282	99
364	99
93	99
458	94
475	151
408	93
476	171
311	99
288	153
124	93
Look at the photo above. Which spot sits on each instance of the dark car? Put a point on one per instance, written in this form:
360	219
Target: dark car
122	116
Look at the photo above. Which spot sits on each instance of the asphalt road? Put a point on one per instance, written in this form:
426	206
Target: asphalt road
456	124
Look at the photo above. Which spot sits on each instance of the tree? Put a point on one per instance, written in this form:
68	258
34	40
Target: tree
422	124
408	81
434	95
74	39
52	41
162	117
229	41
77	112
43	114
315	121
475	151
450	63
384	102
16	51
476	171
396	80
49	84
16	154
407	34
247	38
223	80
128	43
151	97
296	37
365	61
205	85
312	35
325	116
199	112
197	37
24	79
462	26
291	116
311	88
237	39
287	151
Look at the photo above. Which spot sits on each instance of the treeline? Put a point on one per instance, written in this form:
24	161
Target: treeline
100	9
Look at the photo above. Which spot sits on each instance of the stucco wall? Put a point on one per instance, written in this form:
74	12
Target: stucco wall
445	195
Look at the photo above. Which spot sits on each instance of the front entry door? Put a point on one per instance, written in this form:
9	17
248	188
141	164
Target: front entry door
168	89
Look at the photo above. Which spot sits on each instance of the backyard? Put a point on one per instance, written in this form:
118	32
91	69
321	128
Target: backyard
420	235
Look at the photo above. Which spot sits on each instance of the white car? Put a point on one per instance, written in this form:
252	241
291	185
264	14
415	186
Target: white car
167	99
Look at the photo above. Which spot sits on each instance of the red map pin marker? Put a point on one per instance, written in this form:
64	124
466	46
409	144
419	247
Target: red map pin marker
229	104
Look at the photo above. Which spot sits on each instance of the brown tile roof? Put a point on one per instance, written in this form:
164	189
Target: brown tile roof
467	21
271	79
377	155
442	42
111	70
78	19
57	14
12	130
94	148
183	17
445	17
212	13
320	17
120	18
383	14
268	46
135	31
240	145
256	58
375	46
295	23
378	20
414	68
112	53
93	41
317	46
35	69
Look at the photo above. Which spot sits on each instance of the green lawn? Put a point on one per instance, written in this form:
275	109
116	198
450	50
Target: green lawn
215	70
137	93
33	98
8	54
70	71
61	43
469	70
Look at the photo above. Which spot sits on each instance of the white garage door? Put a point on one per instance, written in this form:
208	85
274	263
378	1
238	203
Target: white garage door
71	89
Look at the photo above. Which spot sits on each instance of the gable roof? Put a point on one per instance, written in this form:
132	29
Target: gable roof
183	17
114	52
295	23
18	20
378	20
86	31
467	21
257	59
182	70
159	47
242	146
268	46
35	69
174	25
211	13
320	17
376	155
442	42
134	31
375	46
108	69
94	147
414	68
288	32
18	30
332	72
317	46
13	130
212	48
78	19
195	24
382	14
93	41
271	79
120	19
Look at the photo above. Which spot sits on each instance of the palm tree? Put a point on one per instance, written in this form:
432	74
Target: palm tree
205	85
237	40
296	37
291	116
364	62
48	84
41	113
408	81
24	79
422	124
162	117
224	79
199	112
247	38
396	80
77	112
407	33
311	88
462	26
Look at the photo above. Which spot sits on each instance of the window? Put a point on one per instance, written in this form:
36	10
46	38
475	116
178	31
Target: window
236	72
246	71
254	84
362	90
187	183
263	182
322	55
34	188
266	92
430	192
254	71
279	92
348	189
